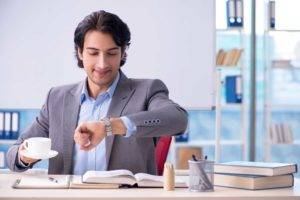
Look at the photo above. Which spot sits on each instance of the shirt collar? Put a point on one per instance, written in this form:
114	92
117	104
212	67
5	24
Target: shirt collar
110	91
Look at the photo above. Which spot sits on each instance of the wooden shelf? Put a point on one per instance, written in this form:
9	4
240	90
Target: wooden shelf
232	106
284	106
202	143
7	142
295	143
237	29
281	30
222	67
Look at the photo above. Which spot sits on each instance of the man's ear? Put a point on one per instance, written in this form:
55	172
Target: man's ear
124	56
79	52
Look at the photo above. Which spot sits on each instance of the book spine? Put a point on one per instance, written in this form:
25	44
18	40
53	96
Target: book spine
2	159
239	13
7	125
1	125
15	125
272	14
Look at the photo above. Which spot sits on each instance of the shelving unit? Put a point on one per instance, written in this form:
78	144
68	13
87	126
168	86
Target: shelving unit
221	105
222	71
269	105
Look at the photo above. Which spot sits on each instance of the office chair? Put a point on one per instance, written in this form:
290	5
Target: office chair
161	152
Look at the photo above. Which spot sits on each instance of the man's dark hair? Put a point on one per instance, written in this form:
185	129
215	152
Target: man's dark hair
104	22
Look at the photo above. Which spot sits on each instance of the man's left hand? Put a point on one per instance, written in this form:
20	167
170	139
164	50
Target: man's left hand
89	134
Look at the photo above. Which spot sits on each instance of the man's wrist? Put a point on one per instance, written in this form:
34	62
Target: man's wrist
118	127
107	125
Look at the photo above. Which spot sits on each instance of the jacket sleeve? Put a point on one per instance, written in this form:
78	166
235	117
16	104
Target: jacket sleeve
162	117
39	128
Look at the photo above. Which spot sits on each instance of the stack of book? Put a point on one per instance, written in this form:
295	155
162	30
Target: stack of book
281	63
254	175
229	58
281	133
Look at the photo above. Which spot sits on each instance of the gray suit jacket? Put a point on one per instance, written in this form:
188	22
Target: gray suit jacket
145	102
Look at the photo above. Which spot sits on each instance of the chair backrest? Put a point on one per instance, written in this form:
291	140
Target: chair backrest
161	152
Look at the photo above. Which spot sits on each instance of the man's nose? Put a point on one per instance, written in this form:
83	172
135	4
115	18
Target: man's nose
102	61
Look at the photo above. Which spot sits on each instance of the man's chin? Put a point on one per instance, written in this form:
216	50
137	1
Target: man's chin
102	83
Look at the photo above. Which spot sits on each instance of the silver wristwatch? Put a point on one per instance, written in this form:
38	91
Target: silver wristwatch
108	128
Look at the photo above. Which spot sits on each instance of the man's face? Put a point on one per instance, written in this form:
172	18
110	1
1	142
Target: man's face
101	58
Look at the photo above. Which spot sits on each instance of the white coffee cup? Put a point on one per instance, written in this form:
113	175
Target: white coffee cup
38	146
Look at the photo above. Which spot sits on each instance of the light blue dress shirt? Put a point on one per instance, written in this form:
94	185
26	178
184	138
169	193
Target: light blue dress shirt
94	110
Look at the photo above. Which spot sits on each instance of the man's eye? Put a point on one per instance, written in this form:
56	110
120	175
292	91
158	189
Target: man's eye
111	53
93	53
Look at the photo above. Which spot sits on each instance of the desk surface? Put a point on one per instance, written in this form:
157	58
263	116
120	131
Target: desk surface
6	192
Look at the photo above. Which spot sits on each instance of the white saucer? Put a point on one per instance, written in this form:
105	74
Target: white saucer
50	154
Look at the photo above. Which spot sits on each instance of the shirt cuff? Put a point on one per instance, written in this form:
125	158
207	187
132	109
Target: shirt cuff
130	126
21	163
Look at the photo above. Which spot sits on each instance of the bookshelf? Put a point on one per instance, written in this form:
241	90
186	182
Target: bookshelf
238	69
221	105
278	58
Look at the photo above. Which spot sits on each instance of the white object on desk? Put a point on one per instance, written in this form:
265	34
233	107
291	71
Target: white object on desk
50	154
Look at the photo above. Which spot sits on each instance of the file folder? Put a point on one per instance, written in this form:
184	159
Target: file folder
230	8
238	88
2	159
239	14
1	125
14	125
233	87
235	13
272	14
7	125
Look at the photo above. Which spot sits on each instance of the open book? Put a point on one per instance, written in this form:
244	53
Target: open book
126	177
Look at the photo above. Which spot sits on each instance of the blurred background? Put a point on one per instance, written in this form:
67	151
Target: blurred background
275	129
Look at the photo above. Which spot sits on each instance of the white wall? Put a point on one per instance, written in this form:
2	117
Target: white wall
172	40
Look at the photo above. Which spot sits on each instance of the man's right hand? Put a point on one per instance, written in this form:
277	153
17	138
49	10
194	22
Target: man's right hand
25	159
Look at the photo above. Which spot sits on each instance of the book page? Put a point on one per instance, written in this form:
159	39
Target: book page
148	180
76	182
113	176
111	173
144	176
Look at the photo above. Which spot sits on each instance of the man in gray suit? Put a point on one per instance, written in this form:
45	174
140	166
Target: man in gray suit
107	121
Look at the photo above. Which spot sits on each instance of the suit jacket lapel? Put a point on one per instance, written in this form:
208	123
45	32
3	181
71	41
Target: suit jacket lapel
70	118
119	100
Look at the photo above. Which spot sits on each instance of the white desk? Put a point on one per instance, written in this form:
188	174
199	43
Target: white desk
6	192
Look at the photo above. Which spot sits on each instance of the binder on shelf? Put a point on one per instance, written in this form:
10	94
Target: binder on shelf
233	87
235	14
239	13
7	125
14	125
182	138
272	14
2	159
230	8
1	125
238	88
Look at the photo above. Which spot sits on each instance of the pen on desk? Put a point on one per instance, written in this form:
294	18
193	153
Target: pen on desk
52	179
